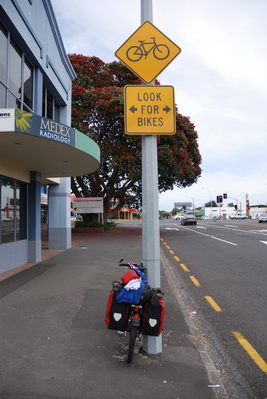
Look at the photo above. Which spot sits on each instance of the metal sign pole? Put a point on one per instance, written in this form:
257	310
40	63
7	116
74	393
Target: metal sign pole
150	225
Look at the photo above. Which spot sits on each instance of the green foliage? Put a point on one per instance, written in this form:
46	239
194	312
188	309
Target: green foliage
107	226
98	111
164	214
175	211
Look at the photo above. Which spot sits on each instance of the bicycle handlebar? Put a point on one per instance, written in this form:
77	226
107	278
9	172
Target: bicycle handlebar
139	265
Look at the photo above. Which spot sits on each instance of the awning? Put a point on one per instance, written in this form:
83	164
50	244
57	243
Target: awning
43	145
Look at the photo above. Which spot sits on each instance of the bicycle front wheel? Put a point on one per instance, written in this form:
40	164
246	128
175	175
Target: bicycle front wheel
134	53
161	51
133	335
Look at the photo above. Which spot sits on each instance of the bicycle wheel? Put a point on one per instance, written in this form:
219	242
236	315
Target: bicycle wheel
133	334
134	53
161	51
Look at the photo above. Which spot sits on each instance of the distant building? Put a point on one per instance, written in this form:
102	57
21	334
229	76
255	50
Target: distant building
226	211
256	210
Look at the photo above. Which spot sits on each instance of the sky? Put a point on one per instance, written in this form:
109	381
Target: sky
220	81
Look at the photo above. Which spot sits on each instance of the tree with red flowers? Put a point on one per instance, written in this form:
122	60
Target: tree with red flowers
98	112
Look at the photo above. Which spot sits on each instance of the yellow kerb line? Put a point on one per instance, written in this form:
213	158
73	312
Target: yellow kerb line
213	304
195	281
176	258
171	251
251	351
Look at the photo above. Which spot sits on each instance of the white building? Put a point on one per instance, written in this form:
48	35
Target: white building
226	211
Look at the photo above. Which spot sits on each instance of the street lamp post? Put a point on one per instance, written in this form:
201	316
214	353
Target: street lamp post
210	201
193	206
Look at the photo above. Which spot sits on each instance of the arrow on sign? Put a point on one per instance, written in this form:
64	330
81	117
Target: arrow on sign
166	109
133	109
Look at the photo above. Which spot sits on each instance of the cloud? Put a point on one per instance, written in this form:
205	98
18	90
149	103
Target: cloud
219	79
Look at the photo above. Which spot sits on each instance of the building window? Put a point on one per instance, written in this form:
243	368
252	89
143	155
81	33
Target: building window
16	75
27	84
51	109
3	66
13	221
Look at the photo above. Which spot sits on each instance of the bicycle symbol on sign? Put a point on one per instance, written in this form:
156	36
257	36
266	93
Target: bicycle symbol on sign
160	51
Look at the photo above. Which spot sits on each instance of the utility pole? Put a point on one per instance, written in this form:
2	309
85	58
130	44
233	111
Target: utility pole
159	96
150	225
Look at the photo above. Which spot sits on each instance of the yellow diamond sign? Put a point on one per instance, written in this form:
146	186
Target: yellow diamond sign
147	52
149	110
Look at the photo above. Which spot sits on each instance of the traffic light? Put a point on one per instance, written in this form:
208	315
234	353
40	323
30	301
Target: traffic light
225	196
219	199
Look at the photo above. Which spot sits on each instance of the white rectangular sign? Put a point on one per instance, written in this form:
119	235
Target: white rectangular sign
7	119
88	205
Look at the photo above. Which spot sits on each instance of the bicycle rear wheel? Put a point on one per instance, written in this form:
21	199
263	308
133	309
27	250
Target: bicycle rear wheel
134	53
133	335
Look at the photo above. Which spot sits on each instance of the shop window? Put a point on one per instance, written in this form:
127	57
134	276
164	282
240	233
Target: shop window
21	211
7	210
13	222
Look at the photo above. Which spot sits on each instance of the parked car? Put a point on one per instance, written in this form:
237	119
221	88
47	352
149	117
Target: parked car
189	219
263	218
238	216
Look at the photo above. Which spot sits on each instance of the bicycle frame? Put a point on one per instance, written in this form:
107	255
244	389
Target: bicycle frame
143	44
160	51
134	326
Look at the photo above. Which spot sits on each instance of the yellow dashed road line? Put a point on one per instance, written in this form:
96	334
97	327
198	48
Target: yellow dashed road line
213	304
195	281
251	351
184	267
242	341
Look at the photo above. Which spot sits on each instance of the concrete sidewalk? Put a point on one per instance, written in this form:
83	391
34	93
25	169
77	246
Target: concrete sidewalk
54	342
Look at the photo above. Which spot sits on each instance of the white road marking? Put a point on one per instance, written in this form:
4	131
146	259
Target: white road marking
227	242
264	232
264	242
215	238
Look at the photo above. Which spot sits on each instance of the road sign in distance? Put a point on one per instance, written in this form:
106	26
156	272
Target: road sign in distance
149	110
147	52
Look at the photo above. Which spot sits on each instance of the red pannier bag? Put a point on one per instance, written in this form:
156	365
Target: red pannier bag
154	314
116	313
131	275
